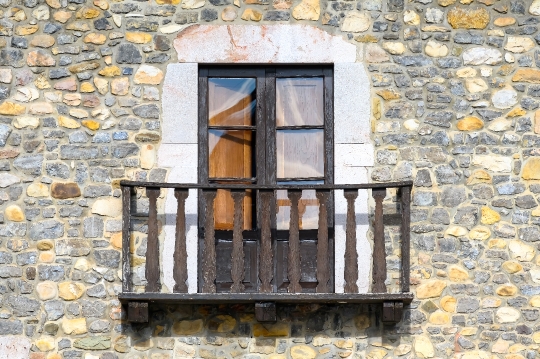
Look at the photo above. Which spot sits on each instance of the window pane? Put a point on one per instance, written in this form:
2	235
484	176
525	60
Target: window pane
231	102
299	101
231	154
231	157
300	153
224	210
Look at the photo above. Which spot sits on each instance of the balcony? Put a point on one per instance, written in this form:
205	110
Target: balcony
391	291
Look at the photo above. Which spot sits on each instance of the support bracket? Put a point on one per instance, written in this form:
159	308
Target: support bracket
137	312
392	312
265	311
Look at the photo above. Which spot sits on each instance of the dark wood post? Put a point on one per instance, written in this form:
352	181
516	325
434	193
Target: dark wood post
323	273
153	282
293	271
209	254
126	238
379	253
351	255
180	254
265	252
237	255
405	238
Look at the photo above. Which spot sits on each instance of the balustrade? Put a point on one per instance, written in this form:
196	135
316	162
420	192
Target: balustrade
265	292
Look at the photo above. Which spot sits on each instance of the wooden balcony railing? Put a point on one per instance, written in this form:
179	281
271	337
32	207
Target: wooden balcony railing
324	292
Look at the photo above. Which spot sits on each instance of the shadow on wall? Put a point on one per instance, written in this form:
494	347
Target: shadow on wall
231	331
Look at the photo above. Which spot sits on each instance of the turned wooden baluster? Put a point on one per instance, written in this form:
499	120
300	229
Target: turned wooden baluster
237	255
379	253
126	234
209	254
180	254
265	253
293	271
405	238
351	255
323	275
153	282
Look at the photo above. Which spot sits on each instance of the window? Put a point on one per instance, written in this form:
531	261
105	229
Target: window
266	125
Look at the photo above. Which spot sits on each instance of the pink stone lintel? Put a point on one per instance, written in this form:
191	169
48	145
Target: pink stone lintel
281	43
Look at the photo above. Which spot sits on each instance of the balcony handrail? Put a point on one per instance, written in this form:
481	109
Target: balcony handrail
379	272
133	184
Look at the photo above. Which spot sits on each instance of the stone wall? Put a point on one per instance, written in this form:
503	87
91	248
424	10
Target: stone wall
455	98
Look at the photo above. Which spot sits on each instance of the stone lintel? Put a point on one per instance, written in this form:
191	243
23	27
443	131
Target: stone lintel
282	43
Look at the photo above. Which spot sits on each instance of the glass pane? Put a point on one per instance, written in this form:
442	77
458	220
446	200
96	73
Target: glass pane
231	154
299	101
224	210
231	102
300	153
308	208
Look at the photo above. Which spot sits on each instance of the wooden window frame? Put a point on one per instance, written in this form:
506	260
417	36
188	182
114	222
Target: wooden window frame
265	140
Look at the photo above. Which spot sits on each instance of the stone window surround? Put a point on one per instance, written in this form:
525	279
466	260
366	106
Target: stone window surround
284	43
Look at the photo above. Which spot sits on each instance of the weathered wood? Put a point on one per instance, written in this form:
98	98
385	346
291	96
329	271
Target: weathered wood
265	253
379	253
234	298
153	282
126	234
209	253
392	312
268	187
137	312
265	312
323	273
237	255
293	267
328	74
351	255
405	238
180	254
388	312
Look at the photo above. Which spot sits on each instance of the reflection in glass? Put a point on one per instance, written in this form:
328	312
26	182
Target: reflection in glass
231	154
224	210
308	207
300	153
231	101
299	101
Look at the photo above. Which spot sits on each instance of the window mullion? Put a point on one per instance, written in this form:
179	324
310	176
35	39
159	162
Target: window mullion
270	125
203	126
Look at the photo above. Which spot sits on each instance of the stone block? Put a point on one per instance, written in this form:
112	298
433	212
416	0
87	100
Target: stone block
14	347
352	106
180	105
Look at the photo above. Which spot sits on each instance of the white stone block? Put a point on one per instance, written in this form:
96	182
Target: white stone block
278	43
350	162
180	104
351	103
181	159
14	347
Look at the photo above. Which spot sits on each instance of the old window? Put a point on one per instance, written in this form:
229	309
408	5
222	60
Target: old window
266	125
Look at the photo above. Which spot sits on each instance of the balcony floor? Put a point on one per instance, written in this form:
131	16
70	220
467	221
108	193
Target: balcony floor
233	298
